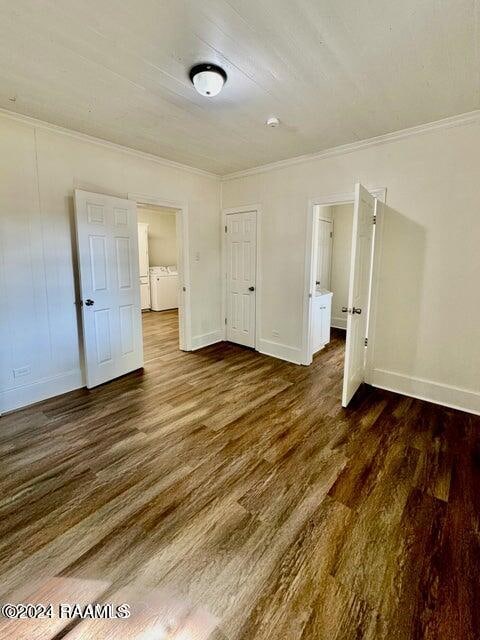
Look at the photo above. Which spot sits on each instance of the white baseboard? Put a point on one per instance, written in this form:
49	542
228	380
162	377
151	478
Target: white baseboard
281	351
446	395
206	339
17	397
338	323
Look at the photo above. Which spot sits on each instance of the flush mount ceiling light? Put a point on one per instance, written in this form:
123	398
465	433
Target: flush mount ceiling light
208	79
272	122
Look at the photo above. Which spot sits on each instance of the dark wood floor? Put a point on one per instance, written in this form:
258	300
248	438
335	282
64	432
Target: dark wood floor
227	496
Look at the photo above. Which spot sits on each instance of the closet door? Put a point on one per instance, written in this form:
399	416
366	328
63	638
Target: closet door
241	250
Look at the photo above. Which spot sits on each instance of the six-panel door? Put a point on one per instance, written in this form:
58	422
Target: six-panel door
241	256
359	292
107	239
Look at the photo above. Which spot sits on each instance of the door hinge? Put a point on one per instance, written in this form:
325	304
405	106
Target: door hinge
225	321
225	228
331	234
374	219
366	342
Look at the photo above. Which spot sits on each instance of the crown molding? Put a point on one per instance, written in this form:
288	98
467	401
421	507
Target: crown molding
445	123
42	124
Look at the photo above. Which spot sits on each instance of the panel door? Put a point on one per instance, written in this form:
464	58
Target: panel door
324	256
359	292
107	240
143	258
241	253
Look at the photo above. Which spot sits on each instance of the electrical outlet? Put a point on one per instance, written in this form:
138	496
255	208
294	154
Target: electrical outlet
22	371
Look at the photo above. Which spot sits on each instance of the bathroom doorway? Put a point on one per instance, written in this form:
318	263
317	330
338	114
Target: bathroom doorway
342	255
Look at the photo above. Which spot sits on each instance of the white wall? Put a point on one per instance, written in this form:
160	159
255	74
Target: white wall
428	328
162	235
427	331
342	216
39	169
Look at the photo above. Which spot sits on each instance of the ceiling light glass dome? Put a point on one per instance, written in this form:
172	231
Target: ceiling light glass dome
208	79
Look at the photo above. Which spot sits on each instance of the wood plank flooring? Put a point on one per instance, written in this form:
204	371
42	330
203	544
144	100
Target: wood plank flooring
226	495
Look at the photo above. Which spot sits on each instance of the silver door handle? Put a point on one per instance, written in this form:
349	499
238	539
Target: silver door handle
345	310
356	310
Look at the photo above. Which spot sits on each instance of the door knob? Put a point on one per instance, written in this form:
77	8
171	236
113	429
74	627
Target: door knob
356	310
88	302
251	288
345	310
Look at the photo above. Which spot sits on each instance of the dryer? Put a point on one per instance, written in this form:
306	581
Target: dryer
163	288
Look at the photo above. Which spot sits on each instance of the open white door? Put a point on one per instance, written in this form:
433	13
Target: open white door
107	240
359	292
241	251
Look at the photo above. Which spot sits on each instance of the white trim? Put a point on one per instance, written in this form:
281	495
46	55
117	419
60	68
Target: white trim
429	390
339	323
206	339
470	117
328	200
258	264
281	351
84	137
184	273
28	394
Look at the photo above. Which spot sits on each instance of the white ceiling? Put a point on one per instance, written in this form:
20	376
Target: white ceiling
333	71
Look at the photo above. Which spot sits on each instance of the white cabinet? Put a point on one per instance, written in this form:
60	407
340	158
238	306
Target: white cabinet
143	249
145	293
143	260
322	311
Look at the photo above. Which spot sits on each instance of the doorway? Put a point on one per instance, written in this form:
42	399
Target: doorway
158	252
110	285
333	248
180	212
340	278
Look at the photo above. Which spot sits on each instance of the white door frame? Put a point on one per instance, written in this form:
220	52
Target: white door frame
309	279
183	249
258	281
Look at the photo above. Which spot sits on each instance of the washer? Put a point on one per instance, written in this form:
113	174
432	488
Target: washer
163	288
